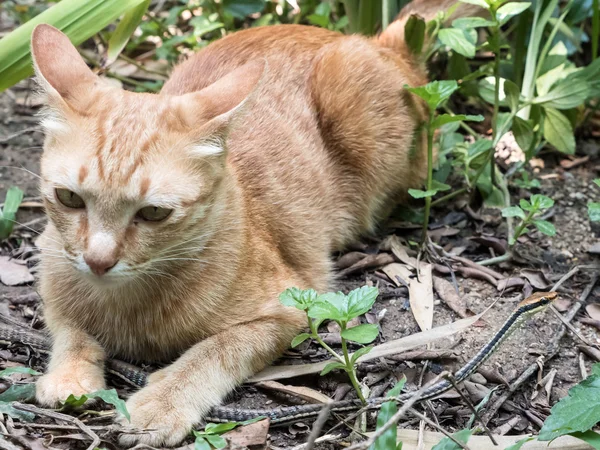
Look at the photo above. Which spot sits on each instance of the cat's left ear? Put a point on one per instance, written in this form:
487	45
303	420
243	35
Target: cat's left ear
212	111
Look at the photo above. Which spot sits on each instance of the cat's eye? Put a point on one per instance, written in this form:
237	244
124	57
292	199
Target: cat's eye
69	198
153	213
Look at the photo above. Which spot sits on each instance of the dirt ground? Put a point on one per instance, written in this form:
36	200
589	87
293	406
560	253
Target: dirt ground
20	150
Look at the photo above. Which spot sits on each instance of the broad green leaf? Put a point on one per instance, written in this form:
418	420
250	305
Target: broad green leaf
363	334
130	21
201	444
217	428
567	94
418	193
513	211
298	298
478	147
360	352
203	25
19	393
8	214
108	395
459	40
435	93
332	366
540	201
558	131
78	19
240	9
517	445
440	187
523	132
332	306
545	227
594	211
503	126
487	92
525	205
546	81
7	408
216	441
597	181
11	370
472	22
300	339
387	440
509	10
414	34
443	119
578	411
591	437
361	300
481	3
513	95
446	444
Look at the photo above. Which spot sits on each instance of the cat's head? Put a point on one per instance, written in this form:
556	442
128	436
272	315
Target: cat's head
129	180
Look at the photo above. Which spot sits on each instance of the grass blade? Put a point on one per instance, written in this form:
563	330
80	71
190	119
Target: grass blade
125	29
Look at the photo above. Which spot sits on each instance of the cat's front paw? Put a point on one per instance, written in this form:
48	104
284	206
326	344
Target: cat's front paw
156	418
56	386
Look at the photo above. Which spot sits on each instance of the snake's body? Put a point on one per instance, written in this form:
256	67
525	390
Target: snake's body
528	307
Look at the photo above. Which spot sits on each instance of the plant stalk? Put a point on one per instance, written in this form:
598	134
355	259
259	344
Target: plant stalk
521	227
429	175
352	372
316	337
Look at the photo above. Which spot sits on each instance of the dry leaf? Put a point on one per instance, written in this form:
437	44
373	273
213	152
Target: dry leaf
369	262
400	252
509	283
537	278
253	436
448	294
420	295
349	259
562	304
305	393
12	273
593	309
402	271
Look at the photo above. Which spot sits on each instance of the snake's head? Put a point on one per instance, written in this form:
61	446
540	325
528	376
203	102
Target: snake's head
537	302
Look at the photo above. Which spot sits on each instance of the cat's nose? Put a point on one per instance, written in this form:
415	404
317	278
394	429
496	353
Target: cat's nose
100	265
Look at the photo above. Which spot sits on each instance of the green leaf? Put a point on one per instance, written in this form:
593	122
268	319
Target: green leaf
578	411
110	396
329	306
525	205
218	428
567	94
240	9
126	27
201	444
558	131
597	181
8	214
19	393
251	421
11	370
446	444
509	10
512	94
361	300
418	193
486	88
591	437
363	334
360	352
472	22
300	339
481	3
523	132
387	440
438	186
216	441
443	119
435	93
459	40
7	408
517	445
298	298
332	366
503	126
540	201
414	34
513	211
594	211
545	227
478	147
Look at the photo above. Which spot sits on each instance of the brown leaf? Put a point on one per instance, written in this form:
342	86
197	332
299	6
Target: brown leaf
562	304
303	392
448	294
253	436
537	278
509	283
498	245
369	262
593	309
402	271
349	259
13	273
420	295
401	253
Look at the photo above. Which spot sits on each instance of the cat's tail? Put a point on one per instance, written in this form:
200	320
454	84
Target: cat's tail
393	36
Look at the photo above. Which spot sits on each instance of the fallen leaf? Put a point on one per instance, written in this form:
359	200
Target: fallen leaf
402	271
593	309
369	262
401	253
420	295
562	304
349	259
303	392
436	235
13	273
537	278
448	294
508	283
253	436
498	245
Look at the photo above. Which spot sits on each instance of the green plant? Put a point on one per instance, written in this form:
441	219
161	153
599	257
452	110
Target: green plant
341	309
211	436
537	204
109	396
8	213
594	207
387	441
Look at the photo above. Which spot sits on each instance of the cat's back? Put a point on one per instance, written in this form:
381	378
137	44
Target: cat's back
289	49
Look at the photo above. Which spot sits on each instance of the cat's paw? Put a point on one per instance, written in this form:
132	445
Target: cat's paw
155	419
56	386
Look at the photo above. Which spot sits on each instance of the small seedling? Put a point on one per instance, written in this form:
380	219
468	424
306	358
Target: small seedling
110	396
342	309
211	436
8	214
534	207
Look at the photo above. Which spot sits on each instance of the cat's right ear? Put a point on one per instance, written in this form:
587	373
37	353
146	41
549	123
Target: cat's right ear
60	70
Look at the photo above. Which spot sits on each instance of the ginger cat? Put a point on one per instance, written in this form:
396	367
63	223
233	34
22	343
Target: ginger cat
176	220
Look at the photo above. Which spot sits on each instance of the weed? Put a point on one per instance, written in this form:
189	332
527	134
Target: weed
8	213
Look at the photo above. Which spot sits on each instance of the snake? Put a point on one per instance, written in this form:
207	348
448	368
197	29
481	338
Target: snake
533	304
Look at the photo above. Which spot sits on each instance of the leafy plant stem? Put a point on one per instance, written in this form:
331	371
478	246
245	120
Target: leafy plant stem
463	125
429	175
495	38
316	337
449	196
496	260
352	372
521	227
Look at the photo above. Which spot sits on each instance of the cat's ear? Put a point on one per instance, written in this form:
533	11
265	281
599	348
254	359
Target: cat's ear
213	110
60	70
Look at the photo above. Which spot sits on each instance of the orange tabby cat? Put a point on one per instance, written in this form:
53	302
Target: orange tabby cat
177	219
